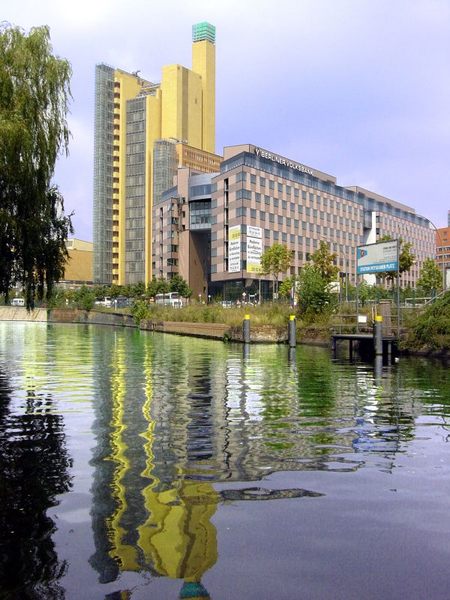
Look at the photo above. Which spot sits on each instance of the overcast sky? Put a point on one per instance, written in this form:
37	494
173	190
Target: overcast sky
356	88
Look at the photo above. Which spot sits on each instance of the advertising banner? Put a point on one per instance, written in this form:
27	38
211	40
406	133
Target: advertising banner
234	249
254	249
376	258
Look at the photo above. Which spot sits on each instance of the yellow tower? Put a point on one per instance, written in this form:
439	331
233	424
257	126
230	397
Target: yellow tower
131	115
204	63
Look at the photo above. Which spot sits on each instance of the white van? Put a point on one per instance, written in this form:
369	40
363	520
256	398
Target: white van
172	299
18	302
106	302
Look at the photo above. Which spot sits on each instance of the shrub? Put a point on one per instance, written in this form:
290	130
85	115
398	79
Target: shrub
431	329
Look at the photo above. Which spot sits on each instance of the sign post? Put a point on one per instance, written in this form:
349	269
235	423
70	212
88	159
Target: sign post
379	258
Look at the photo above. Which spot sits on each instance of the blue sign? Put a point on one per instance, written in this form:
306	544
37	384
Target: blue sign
377	258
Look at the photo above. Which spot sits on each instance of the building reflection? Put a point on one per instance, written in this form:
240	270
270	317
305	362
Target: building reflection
34	470
172	443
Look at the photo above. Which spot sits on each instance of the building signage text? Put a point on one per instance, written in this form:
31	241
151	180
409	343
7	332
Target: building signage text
283	161
376	258
234	249
254	249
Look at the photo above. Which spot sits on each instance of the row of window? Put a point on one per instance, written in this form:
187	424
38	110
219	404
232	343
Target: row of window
350	211
369	203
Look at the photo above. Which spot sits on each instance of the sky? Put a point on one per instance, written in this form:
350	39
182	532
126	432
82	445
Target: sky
359	89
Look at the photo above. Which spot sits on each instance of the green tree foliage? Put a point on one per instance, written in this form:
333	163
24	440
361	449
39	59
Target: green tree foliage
276	260
178	284
406	257
313	295
34	95
364	292
286	287
324	261
432	327
157	286
430	280
136	290
84	298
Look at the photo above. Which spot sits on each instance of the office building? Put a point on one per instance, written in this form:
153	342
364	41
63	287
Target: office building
78	270
264	198
143	132
260	198
443	253
182	230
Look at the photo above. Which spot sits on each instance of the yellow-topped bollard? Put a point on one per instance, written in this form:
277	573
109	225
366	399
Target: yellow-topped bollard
292	332
246	329
378	335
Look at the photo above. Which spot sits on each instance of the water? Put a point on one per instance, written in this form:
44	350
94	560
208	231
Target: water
139	465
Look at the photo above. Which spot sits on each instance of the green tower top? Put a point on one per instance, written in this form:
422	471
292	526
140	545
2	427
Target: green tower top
203	31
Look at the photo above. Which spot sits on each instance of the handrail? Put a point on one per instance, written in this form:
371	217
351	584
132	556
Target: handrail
431	300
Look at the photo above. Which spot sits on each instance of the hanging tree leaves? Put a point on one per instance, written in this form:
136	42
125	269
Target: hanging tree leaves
34	95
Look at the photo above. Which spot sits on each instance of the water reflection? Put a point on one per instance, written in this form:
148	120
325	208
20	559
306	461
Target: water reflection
34	470
166	436
181	428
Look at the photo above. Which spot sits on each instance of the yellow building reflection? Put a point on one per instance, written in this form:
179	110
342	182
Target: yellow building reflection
172	533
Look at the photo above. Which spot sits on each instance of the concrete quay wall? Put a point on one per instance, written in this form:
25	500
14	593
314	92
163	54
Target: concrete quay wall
91	317
20	313
218	331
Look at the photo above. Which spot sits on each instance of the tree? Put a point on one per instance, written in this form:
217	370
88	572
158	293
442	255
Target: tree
34	95
406	257
275	260
84	298
313	291
157	286
430	279
323	260
286	286
178	284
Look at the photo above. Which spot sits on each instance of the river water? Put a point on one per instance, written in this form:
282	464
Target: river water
140	465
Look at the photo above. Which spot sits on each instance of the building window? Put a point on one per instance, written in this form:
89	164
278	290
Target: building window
243	194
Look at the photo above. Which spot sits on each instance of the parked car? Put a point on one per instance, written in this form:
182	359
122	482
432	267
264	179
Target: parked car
106	302
18	302
122	302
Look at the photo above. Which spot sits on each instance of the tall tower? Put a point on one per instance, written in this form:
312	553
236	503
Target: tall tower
132	115
204	63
